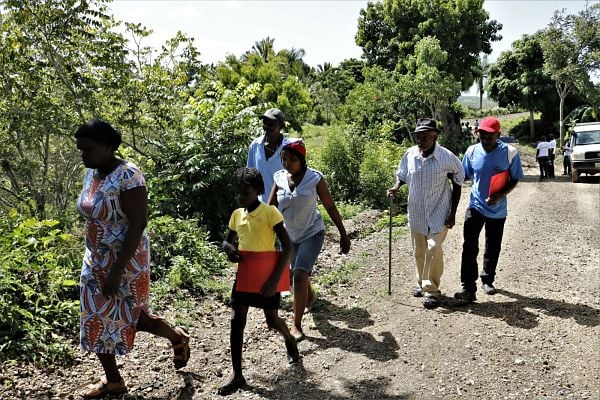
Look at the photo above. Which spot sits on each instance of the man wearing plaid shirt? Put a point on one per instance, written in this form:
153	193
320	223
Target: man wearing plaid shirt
428	169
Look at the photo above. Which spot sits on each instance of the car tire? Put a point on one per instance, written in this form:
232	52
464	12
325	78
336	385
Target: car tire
574	176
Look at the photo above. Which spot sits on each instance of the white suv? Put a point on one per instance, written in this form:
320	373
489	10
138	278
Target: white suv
585	142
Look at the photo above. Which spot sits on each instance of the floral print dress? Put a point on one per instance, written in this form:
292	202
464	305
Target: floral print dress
109	325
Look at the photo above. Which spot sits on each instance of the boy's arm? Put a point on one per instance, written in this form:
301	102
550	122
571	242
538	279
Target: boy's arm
270	287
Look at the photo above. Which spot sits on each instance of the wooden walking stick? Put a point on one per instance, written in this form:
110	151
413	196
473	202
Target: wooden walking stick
390	250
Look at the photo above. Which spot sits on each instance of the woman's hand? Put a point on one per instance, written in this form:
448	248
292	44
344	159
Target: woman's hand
112	283
344	244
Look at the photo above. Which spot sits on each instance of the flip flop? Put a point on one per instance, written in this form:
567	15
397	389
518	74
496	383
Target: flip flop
104	388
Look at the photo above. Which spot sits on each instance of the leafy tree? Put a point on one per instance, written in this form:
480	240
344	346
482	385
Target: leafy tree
484	68
429	85
59	63
517	79
330	86
192	180
571	51
280	75
389	31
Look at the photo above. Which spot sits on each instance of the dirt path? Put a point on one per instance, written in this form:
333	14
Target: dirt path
538	338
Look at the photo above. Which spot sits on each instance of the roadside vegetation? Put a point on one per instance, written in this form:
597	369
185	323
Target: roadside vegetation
188	126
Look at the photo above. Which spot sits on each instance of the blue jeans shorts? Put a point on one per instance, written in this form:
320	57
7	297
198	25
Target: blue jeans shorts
305	253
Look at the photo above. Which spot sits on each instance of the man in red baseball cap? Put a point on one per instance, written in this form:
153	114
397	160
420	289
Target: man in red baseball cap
495	168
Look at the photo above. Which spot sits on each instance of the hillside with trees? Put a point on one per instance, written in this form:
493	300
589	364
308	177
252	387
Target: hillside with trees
188	126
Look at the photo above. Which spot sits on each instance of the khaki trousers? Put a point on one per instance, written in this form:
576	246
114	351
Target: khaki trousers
429	258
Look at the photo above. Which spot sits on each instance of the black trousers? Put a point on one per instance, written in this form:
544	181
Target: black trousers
567	164
544	167
494	230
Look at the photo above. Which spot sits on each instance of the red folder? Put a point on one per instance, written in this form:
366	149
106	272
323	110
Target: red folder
256	268
498	182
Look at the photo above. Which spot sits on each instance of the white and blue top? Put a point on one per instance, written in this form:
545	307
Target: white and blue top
299	206
267	166
429	192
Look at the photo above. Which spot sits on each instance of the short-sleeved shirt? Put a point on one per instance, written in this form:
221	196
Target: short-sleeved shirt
109	326
299	206
552	145
267	166
542	148
429	192
480	166
255	229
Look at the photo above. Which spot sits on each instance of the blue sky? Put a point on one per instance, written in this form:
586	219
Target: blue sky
324	29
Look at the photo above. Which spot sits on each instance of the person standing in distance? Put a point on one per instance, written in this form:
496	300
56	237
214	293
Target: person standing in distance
426	169
481	162
264	153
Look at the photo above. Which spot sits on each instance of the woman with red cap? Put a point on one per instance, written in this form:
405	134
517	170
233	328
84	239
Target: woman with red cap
295	192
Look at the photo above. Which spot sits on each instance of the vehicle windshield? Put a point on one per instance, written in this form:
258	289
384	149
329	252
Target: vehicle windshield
589	137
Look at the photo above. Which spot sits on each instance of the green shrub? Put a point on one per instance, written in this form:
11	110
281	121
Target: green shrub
397	220
377	172
346	210
39	274
339	159
182	254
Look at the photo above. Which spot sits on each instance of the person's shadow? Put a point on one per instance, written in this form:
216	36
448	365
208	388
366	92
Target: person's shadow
297	383
515	313
350	338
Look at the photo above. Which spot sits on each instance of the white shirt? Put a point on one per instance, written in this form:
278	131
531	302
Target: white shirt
542	148
429	192
267	166
299	206
567	150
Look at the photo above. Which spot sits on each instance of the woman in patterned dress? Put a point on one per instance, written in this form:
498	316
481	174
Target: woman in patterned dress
115	276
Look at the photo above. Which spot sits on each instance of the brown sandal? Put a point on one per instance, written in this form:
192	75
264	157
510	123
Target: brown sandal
104	388
181	350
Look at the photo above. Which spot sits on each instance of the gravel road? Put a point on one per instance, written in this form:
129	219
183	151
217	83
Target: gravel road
537	338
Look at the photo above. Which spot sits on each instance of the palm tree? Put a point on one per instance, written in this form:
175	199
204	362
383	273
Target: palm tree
483	69
264	48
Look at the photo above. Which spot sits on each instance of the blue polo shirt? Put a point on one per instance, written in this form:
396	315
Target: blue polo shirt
480	166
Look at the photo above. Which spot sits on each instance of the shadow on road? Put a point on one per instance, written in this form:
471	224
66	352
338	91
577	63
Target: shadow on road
300	384
351	338
516	313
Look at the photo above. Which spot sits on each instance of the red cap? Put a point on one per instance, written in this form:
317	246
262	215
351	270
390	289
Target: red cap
489	124
297	146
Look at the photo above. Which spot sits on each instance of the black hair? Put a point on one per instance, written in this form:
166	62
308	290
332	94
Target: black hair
249	176
295	152
100	131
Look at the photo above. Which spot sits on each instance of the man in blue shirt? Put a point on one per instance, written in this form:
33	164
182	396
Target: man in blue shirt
495	168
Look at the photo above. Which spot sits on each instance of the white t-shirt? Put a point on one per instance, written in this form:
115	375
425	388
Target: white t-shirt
542	148
552	145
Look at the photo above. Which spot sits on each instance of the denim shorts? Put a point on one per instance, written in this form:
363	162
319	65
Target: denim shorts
305	253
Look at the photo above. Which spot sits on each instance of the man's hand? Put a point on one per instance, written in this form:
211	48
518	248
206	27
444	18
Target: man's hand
450	221
493	199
